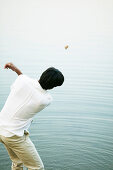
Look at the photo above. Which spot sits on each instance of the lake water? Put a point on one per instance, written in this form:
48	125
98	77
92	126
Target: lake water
76	131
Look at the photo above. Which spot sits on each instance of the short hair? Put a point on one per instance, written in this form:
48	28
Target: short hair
51	78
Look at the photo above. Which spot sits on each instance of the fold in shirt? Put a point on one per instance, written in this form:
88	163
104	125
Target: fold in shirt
26	99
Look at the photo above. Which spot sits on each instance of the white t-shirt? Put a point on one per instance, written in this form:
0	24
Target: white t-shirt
26	98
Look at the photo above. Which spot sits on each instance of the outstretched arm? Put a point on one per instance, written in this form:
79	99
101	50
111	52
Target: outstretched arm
13	68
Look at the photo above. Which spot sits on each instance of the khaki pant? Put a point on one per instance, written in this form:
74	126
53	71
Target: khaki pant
22	152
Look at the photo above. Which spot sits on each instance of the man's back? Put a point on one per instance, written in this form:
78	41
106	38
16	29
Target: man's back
25	99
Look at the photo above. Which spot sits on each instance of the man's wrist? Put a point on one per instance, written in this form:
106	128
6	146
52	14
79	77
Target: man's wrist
13	68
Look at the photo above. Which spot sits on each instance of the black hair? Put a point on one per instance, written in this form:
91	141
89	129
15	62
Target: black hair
51	78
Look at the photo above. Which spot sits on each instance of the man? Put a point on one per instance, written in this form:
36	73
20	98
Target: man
27	97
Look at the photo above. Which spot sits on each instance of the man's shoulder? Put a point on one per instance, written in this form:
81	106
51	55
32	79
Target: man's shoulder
21	80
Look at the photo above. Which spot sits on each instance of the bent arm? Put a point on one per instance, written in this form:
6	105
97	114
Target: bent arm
13	68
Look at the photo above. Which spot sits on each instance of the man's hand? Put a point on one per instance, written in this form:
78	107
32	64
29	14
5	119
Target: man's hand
12	67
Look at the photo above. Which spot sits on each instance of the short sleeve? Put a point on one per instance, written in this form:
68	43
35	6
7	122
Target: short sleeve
20	79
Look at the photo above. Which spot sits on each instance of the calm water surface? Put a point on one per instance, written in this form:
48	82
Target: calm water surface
76	131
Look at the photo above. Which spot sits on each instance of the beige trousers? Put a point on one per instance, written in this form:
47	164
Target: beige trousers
22	152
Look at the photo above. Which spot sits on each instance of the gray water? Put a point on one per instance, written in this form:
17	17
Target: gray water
76	131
